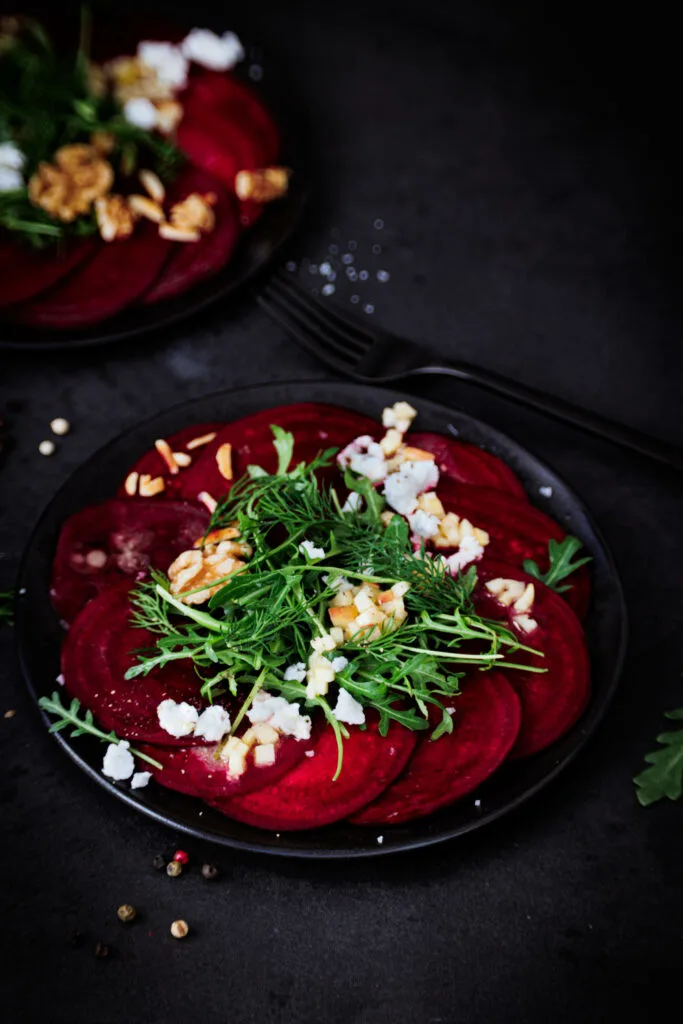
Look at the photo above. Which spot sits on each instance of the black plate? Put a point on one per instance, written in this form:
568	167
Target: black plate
39	634
255	249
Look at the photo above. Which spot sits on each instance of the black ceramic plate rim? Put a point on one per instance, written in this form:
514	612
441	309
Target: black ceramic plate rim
289	844
256	248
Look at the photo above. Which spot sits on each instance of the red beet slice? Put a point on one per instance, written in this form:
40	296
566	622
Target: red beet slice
315	427
467	464
152	464
196	261
308	798
130	537
196	771
117	275
97	652
226	129
551	701
26	272
516	529
486	723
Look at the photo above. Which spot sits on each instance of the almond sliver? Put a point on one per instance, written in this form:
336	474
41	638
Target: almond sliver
199	442
151	486
207	500
131	484
164	449
224	461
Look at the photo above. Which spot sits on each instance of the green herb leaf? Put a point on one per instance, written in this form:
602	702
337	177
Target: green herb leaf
664	777
284	446
6	608
561	564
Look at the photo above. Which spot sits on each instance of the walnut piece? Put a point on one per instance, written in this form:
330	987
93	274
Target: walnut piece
131	79
262	186
194	213
69	187
201	568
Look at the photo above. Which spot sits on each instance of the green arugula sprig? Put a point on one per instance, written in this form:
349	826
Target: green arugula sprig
561	565
68	718
664	777
264	618
6	608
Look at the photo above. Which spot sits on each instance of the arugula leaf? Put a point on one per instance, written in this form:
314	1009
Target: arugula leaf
7	607
284	446
664	777
561	565
374	502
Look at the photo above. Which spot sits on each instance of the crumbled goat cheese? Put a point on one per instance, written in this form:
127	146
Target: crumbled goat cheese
423	525
177	719
337	582
339	663
118	761
400	416
140	779
140	112
307	547
295	672
348	709
168	62
546	492
218	53
60	679
353	502
402	489
279	713
10	180
469	550
365	457
11	157
213	724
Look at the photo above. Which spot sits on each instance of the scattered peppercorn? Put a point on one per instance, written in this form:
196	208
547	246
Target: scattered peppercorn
179	929
210	871
174	868
159	862
126	912
181	856
101	950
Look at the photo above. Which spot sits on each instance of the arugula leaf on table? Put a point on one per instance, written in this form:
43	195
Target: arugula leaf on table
664	777
561	564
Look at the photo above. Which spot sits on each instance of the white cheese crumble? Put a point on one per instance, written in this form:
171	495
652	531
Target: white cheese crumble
348	709
365	457
118	761
402	489
140	112
353	502
168	62
11	156
10	179
140	779
296	672
339	663
399	416
279	713
423	524
218	53
213	724
177	719
307	547
547	492
469	550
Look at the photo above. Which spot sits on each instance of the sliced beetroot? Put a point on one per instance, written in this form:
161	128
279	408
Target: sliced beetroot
153	465
26	273
315	427
118	274
196	261
103	544
199	772
467	464
96	654
307	797
553	700
485	726
516	529
226	129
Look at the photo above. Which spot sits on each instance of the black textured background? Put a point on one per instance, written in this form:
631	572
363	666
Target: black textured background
524	166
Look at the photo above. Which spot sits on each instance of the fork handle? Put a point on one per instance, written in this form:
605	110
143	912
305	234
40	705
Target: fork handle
592	423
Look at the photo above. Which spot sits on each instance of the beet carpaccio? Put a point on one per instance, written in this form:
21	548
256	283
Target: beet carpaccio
161	156
305	616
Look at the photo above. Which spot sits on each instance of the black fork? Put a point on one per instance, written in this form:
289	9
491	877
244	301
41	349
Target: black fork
376	357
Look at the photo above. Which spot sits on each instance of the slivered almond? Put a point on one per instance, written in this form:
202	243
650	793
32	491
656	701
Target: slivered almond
182	459
416	454
526	601
131	484
164	449
198	442
149	486
207	500
145	207
172	234
153	185
224	461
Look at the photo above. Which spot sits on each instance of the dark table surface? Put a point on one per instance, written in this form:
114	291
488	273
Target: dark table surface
522	169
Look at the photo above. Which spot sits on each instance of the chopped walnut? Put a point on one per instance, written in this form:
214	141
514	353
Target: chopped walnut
262	186
201	568
103	142
131	79
194	213
70	186
115	219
